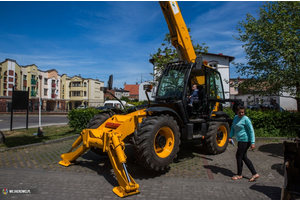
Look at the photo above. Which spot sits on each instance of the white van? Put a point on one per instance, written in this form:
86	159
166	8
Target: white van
115	103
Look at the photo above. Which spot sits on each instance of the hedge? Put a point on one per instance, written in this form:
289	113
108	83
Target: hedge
79	118
272	123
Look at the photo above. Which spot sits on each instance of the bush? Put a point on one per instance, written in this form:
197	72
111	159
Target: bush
79	118
272	123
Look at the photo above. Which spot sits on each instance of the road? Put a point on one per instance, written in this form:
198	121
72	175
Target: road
19	121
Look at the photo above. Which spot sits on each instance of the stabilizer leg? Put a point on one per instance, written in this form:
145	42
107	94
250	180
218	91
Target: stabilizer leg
70	157
118	159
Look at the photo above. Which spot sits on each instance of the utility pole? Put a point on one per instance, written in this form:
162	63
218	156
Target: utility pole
40	130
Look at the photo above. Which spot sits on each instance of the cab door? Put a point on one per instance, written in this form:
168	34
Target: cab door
214	89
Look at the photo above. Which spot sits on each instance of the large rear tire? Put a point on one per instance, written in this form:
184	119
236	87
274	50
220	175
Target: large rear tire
97	120
156	142
216	140
94	123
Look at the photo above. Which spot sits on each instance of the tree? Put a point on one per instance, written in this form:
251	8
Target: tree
272	46
123	98
167	53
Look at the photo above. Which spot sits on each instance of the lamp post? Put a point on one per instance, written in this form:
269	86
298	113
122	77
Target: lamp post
40	130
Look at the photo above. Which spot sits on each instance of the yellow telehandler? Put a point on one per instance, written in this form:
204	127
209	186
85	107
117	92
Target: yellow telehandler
157	129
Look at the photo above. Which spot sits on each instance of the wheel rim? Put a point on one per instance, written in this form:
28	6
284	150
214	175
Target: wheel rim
221	136
164	142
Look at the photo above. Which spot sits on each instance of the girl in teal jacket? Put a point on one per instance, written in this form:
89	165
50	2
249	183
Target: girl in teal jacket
243	131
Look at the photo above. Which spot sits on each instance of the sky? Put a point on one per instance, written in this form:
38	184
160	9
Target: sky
95	39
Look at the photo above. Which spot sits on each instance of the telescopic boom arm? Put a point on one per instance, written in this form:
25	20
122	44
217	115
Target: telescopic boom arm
178	31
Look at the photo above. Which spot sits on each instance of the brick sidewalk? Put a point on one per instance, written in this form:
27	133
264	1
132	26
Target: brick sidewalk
193	175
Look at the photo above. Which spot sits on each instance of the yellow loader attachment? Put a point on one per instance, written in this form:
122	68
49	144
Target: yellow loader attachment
109	137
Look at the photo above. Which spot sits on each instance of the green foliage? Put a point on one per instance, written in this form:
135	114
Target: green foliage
272	45
125	99
79	118
272	123
230	112
167	53
139	103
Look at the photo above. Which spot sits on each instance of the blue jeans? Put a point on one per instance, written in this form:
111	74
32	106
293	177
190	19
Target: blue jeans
191	100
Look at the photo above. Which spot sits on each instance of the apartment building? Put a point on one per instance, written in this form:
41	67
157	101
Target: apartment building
57	92
82	91
10	76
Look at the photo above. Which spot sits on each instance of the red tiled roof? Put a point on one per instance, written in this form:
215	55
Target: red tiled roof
133	89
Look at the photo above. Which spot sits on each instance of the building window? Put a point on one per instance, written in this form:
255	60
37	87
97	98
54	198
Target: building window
76	94
45	81
45	92
25	77
84	93
213	64
76	84
24	88
84	84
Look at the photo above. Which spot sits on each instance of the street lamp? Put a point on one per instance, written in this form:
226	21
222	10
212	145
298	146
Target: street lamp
40	130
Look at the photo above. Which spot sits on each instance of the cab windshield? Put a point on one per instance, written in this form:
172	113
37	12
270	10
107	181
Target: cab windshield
172	83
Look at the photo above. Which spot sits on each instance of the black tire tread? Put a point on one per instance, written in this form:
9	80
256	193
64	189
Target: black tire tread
210	139
141	142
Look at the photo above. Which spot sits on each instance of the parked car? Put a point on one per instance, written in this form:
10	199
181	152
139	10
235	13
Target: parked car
81	107
104	108
254	107
114	103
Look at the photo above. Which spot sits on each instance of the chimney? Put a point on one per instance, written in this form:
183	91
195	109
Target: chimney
221	54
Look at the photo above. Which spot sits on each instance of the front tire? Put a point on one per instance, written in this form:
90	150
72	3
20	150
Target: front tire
216	140
156	142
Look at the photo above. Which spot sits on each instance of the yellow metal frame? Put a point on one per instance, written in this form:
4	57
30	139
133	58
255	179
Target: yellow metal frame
110	140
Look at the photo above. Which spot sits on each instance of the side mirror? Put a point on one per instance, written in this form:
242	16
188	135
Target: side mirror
110	82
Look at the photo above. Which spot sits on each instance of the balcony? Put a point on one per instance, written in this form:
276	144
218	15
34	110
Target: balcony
53	85
33	93
53	95
33	82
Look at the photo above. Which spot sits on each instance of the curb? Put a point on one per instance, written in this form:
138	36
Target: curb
272	138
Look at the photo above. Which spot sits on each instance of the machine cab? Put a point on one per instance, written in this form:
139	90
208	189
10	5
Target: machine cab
176	82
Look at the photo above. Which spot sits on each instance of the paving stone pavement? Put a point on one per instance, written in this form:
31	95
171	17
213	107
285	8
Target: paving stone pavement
193	175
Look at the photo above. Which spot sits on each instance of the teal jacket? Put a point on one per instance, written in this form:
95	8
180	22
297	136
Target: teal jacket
242	129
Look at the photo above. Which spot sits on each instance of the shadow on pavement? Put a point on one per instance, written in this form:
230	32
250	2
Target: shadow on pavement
101	164
103	167
272	192
216	170
279	168
274	149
